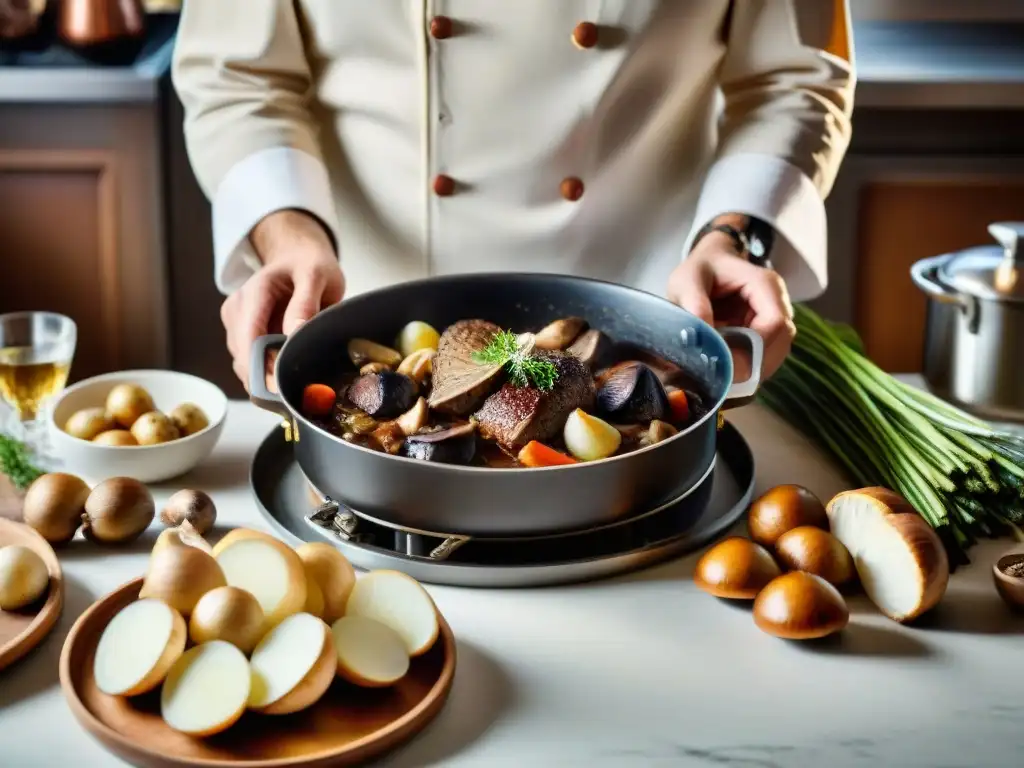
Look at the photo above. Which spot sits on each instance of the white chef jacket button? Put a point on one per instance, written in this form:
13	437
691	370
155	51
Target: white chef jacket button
572	189
441	27
585	35
444	186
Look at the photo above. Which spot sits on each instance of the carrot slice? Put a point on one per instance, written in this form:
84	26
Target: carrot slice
536	454
317	400
679	405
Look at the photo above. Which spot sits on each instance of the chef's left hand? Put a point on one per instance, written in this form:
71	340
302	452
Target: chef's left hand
722	288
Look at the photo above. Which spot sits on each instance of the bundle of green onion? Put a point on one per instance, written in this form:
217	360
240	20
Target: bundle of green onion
963	476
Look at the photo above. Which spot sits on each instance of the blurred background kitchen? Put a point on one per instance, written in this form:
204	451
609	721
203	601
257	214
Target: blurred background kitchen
102	220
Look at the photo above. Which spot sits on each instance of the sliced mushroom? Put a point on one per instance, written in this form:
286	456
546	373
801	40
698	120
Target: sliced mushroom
593	348
374	368
389	436
560	333
632	392
454	445
363	351
357	423
418	365
658	431
634	432
383	395
415	419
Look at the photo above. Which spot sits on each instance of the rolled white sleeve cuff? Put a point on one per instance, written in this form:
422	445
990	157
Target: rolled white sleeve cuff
270	180
780	194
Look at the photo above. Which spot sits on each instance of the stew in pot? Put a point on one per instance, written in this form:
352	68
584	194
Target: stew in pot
480	395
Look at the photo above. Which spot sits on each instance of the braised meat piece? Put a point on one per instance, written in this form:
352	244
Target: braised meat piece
460	384
514	415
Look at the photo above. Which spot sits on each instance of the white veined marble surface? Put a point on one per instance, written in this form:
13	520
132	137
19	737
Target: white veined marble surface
642	670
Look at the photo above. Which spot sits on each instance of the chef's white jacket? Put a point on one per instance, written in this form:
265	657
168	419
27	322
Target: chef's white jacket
589	137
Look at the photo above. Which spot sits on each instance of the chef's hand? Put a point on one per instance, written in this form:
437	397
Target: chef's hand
722	288
299	277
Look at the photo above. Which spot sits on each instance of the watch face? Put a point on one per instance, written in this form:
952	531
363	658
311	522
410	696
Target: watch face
757	250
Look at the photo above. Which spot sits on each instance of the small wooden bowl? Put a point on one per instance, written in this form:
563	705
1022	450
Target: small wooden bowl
348	726
1010	588
21	631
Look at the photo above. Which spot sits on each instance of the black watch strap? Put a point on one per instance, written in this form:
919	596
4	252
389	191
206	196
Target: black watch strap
753	243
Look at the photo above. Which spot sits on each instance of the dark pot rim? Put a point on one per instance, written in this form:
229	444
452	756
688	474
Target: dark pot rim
381	293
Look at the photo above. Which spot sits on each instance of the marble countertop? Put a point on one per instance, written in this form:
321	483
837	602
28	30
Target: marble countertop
901	64
641	670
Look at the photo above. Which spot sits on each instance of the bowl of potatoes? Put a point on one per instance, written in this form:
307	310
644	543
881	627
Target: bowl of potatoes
151	425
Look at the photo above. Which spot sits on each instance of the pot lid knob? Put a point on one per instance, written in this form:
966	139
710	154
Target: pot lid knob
1007	276
1010	235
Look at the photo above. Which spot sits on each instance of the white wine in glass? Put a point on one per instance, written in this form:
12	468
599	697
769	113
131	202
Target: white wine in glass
36	350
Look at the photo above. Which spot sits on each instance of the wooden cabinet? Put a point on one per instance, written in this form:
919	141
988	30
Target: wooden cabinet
81	227
914	185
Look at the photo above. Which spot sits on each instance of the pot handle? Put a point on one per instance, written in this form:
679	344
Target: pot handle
744	392
259	395
923	275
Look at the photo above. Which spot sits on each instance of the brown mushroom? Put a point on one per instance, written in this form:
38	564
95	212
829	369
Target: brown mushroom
800	606
383	395
816	551
453	445
631	392
736	569
592	347
782	509
560	334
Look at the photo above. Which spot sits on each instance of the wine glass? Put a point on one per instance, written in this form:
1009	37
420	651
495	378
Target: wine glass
36	350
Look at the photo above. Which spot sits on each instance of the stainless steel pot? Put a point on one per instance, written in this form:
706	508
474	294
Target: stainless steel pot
974	335
477	501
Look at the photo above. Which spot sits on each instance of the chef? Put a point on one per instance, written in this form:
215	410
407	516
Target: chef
683	147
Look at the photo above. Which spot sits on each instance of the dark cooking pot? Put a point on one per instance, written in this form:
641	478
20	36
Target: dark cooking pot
481	501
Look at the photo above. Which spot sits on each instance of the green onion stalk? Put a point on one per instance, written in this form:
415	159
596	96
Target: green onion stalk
964	476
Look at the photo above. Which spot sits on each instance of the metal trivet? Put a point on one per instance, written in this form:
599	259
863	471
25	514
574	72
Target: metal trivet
344	523
297	512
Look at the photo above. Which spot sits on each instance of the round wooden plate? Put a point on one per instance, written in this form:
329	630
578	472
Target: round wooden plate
347	726
21	631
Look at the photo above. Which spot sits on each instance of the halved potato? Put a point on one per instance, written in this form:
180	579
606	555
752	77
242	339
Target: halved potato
138	647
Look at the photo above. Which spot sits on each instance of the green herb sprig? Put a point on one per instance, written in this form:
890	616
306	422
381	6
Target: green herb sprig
523	369
16	462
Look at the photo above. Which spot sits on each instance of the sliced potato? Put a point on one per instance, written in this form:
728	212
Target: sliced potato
369	654
138	648
206	689
398	601
267	568
293	666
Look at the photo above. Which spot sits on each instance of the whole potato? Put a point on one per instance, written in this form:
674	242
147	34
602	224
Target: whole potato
86	423
116	437
154	428
189	419
127	402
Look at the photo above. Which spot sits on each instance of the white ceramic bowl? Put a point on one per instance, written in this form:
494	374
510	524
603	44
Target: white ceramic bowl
146	463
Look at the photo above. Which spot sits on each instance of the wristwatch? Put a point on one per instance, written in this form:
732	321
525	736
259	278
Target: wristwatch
753	242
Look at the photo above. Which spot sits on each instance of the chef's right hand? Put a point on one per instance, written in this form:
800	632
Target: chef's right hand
300	276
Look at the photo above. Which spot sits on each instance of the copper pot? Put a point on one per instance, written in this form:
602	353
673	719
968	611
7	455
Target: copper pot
97	22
